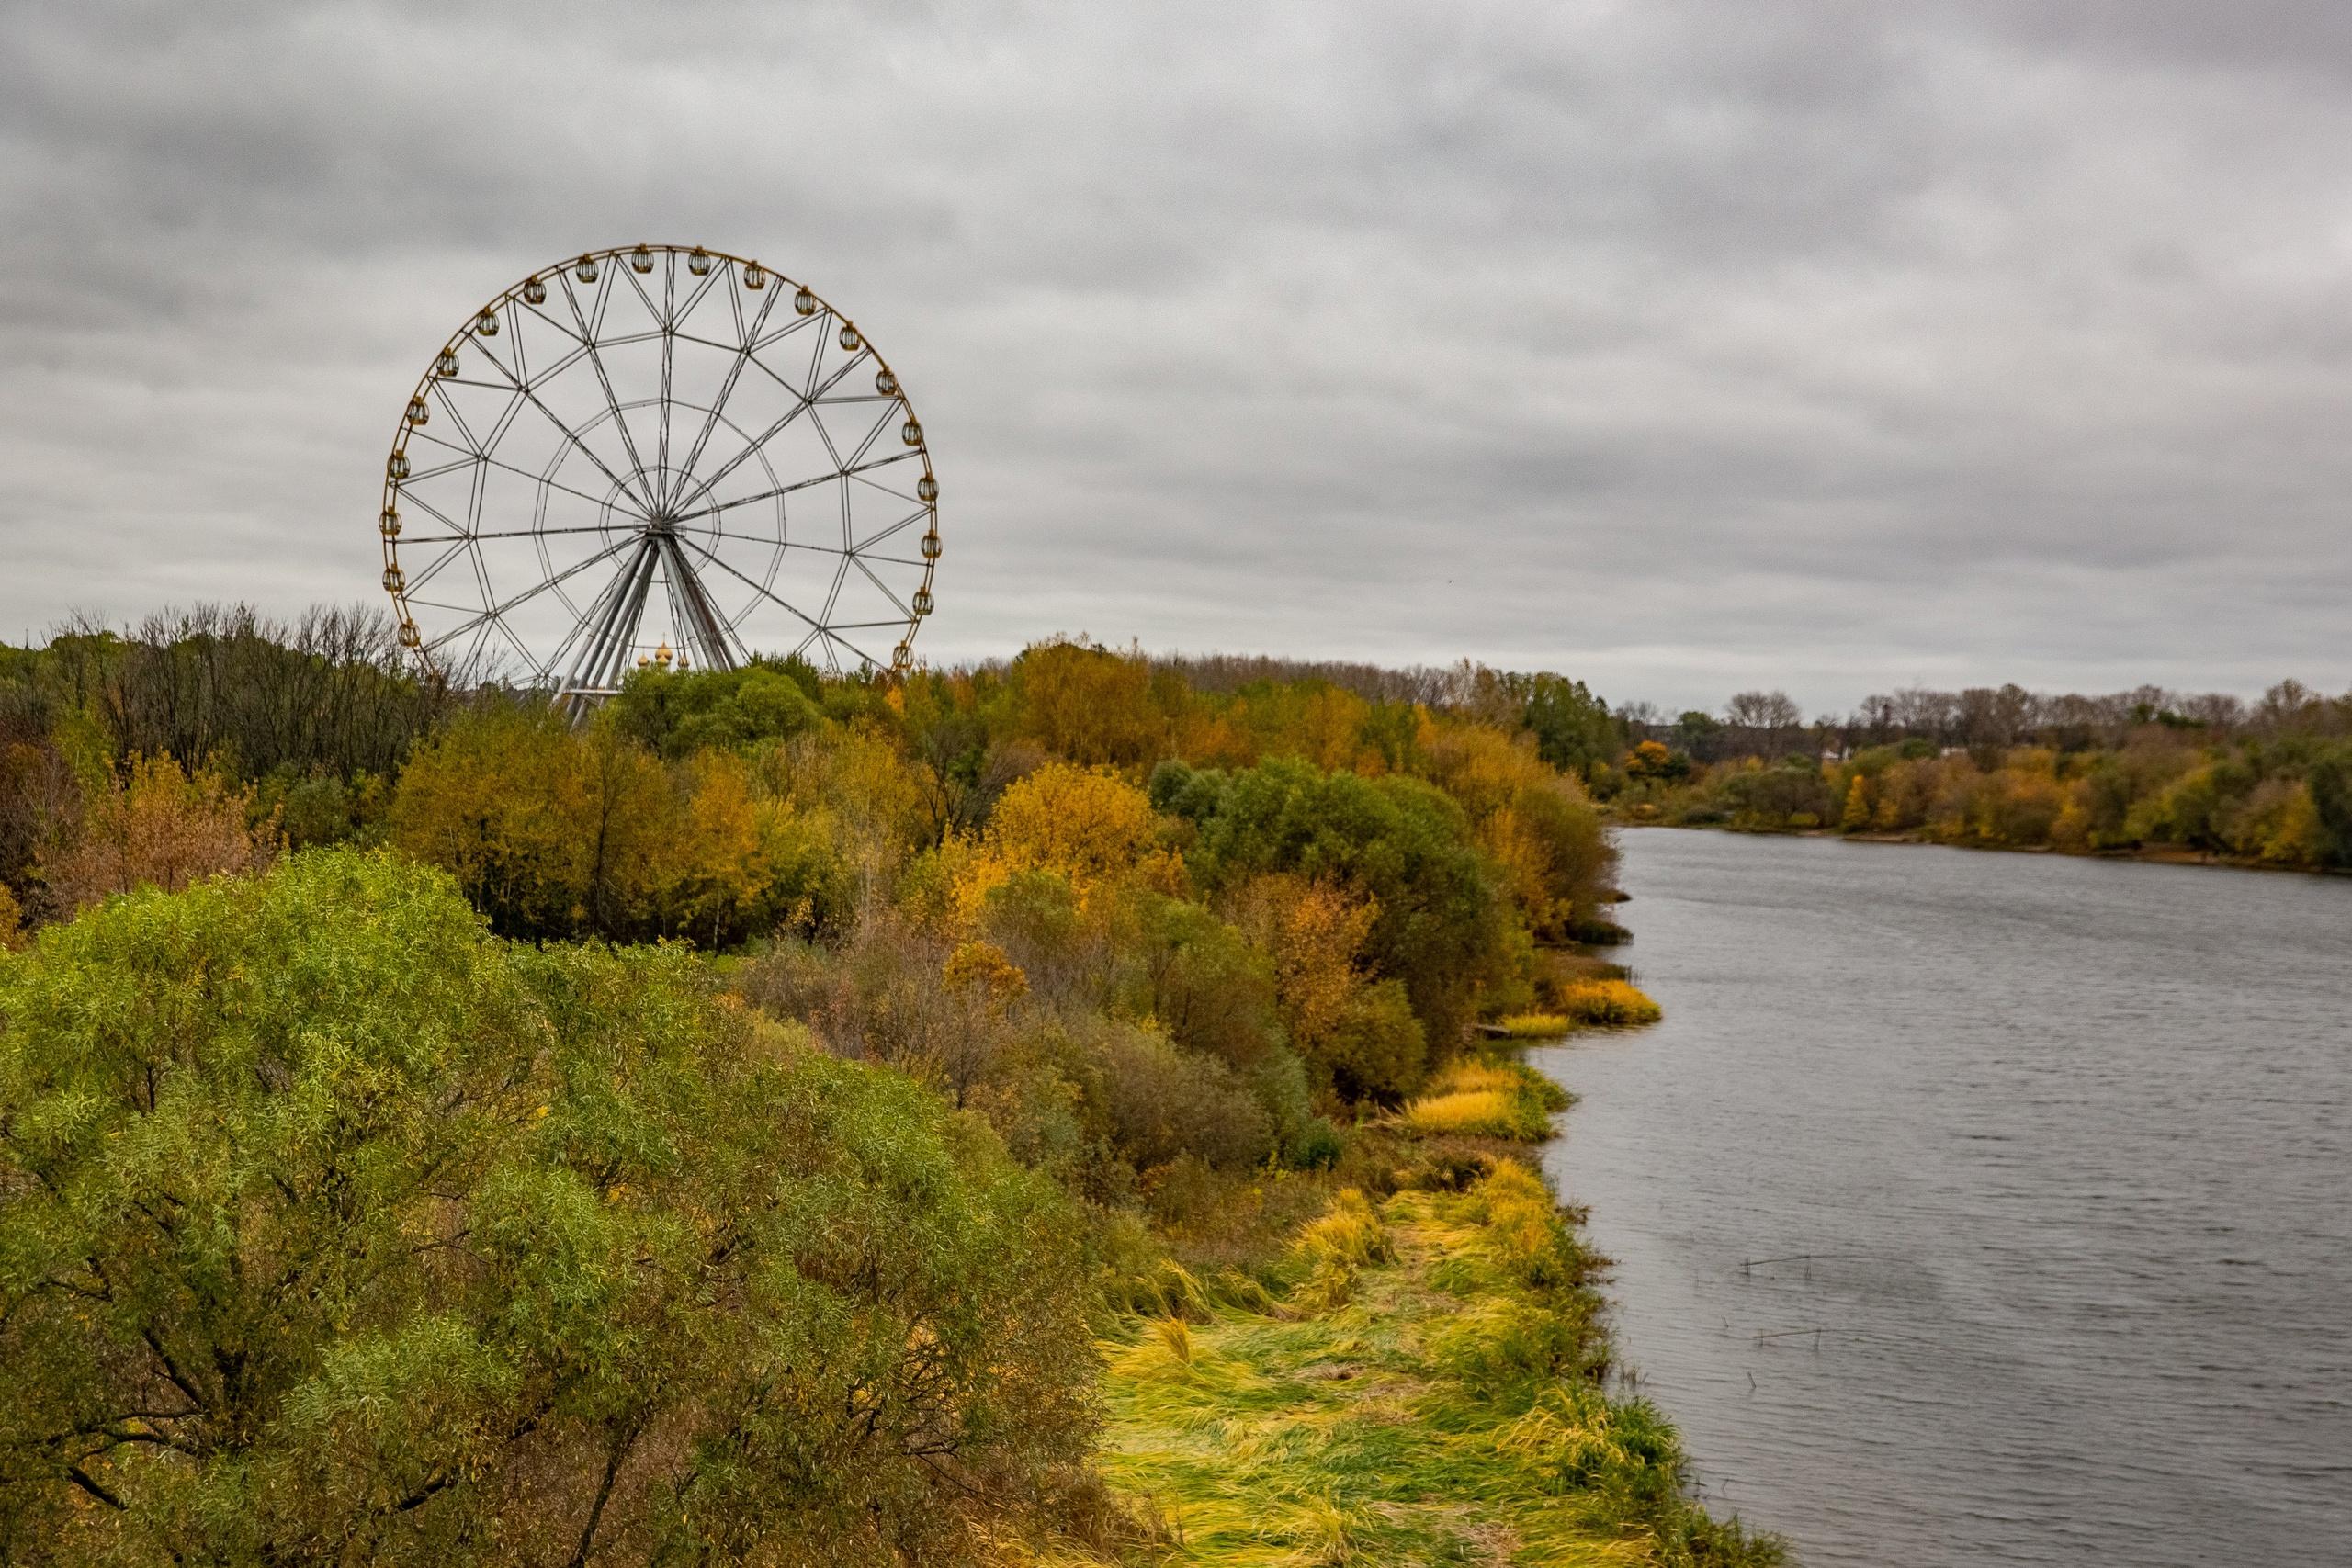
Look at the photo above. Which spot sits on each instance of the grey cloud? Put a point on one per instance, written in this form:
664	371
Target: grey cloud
1684	346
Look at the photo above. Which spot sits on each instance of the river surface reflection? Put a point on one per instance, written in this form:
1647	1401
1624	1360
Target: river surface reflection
2055	1160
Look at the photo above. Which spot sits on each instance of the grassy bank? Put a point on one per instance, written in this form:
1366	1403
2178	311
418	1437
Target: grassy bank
1421	1376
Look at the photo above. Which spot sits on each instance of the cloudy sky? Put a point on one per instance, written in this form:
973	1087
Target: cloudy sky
1684	347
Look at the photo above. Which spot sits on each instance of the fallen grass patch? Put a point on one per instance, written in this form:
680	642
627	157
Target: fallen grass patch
1391	1427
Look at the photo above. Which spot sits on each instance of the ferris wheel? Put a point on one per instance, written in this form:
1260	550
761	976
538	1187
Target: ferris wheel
657	454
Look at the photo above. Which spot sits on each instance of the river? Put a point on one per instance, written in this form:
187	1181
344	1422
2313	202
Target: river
2056	1155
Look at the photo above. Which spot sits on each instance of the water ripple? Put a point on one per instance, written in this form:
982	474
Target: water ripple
2037	1168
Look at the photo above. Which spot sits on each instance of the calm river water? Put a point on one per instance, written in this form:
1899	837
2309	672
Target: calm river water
2069	1143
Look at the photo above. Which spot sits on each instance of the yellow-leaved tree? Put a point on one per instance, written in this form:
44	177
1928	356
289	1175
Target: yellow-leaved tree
1086	826
1090	704
1856	815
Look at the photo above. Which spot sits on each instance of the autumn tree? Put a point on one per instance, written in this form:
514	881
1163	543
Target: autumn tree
1356	1031
159	827
677	713
1086	704
505	800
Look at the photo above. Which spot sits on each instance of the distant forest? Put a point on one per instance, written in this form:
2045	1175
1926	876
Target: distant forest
2148	770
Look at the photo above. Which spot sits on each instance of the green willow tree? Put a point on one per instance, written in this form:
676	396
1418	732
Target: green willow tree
334	1229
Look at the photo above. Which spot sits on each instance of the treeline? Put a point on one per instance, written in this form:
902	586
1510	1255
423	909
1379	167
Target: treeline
1985	720
2268	782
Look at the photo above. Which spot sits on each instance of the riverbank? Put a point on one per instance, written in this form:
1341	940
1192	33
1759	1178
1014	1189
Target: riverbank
1426	1382
2148	854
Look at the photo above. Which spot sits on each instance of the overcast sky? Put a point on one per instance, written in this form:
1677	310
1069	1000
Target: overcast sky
1683	347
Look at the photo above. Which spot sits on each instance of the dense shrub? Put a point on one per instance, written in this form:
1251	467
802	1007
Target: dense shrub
332	1229
1165	1102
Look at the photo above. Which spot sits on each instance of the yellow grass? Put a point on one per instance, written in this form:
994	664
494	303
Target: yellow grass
1477	1098
1478	1112
1608	1003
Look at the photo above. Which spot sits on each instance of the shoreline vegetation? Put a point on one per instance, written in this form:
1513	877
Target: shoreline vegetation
1046	1111
2146	774
2143	854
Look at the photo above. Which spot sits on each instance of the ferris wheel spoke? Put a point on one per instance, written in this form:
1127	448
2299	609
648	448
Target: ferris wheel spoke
467	455
906	611
581	446
760	588
589	335
523	390
863	657
833	594
600	615
530	593
797	324
867	445
456	417
762	540
807	400
505	533
816	359
661	315
726	387
432	568
516	644
880	488
900	526
669	381
481	345
805	484
465	460
793	488
825	435
577	494
443	604
519	394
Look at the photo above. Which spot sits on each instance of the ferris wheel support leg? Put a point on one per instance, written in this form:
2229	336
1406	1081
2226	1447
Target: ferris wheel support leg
696	616
603	658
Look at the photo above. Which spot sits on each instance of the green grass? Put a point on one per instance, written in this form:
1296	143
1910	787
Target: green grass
1447	1408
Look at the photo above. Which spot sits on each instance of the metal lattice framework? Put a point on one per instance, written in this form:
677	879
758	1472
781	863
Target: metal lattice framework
658	453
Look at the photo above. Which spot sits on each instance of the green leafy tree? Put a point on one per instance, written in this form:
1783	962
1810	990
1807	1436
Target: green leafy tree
1573	729
1444	927
2329	782
678	713
334	1229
